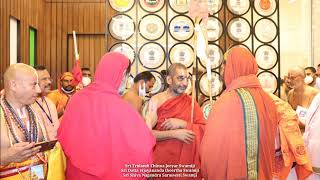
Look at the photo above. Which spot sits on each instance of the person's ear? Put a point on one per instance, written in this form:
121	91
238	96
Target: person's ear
13	85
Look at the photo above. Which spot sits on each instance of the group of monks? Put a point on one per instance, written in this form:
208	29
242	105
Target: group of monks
106	132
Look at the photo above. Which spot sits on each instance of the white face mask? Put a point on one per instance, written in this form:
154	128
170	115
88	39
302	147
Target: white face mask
142	90
86	81
308	80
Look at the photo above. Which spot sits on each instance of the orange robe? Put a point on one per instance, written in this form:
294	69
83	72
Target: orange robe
174	151
292	144
223	148
59	99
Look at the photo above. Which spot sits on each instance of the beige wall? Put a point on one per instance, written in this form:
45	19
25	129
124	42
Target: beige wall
295	34
316	31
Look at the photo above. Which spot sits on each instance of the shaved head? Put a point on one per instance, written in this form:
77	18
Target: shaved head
173	68
296	77
18	72
21	84
297	70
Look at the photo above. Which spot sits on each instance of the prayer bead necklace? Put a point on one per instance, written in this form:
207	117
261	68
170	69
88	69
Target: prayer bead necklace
31	134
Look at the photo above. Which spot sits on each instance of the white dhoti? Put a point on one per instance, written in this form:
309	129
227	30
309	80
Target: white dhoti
312	136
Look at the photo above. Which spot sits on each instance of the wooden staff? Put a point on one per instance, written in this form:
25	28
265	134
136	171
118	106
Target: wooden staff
193	92
75	46
195	39
209	77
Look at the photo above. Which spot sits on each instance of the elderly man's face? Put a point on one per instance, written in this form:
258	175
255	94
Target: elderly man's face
26	88
295	80
66	83
44	81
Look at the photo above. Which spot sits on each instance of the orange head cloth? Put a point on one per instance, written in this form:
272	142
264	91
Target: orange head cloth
63	76
240	62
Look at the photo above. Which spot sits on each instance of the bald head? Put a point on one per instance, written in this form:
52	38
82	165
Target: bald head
21	84
296	77
297	70
18	72
173	68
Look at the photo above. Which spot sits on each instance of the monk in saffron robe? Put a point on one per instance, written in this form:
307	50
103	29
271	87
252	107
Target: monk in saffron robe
239	142
290	147
178	136
60	97
20	126
100	132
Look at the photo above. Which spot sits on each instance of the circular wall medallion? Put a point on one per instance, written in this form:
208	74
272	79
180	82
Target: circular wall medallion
266	57
151	27
159	84
217	84
151	55
121	5
151	6
125	49
265	10
214	6
238	7
265	30
214	28
181	28
182	53
206	108
179	6
239	29
268	81
121	27
215	56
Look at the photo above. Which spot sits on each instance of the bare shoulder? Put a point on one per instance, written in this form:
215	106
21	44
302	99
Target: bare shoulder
311	91
159	98
130	95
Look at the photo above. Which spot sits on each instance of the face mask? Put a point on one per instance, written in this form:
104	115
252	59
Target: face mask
67	91
123	84
142	90
86	81
308	80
